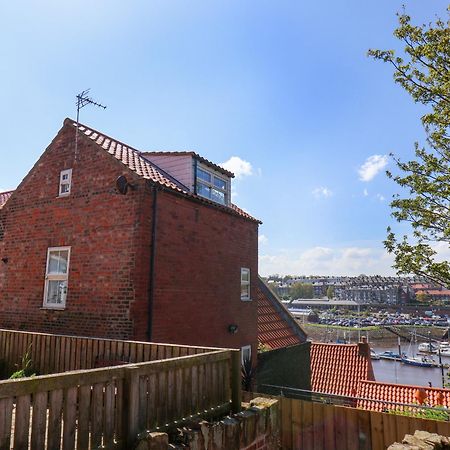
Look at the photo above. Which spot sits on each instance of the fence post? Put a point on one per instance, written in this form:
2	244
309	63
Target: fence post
236	383
130	415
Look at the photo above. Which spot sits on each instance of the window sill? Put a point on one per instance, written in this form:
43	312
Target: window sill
53	308
246	300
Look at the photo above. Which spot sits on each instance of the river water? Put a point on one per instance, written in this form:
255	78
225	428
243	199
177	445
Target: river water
396	372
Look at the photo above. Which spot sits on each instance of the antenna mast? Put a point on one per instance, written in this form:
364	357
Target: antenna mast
82	100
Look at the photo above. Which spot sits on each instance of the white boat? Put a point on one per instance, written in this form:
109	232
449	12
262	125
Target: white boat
374	354
428	347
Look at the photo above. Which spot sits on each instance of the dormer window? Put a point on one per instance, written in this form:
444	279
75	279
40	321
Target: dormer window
210	184
65	182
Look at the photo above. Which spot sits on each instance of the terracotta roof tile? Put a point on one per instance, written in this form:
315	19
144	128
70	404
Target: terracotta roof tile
4	196
338	368
136	161
400	393
276	327
195	155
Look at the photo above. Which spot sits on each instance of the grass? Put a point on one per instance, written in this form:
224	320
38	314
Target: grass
339	327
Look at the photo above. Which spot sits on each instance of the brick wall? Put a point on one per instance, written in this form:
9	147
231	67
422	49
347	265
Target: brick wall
100	225
199	253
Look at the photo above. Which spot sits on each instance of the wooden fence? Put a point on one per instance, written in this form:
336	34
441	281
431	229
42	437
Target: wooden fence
107	407
307	425
51	353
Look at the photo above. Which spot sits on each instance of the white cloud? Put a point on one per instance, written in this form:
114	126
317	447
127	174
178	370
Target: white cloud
372	166
238	166
322	191
350	261
380	197
262	239
365	193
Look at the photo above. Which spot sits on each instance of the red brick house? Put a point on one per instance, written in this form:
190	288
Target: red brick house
105	240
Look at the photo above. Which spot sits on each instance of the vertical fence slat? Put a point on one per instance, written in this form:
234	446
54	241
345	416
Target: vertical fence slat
97	415
376	430
152	401
318	437
389	429
143	404
119	408
109	415
84	395
6	408
296	433
340	426
39	422
328	427
69	418
54	420
131	390
364	434
171	410
351	420
22	422
286	434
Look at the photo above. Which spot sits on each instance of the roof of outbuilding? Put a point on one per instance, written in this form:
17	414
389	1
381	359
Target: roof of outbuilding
136	161
399	393
338	368
4	196
276	327
193	154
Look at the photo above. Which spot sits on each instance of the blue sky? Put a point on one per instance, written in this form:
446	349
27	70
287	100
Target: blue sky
285	87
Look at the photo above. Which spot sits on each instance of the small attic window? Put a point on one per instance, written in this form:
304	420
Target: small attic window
65	182
210	184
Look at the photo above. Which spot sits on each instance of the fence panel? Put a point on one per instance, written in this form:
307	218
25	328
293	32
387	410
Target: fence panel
58	353
108	407
312	425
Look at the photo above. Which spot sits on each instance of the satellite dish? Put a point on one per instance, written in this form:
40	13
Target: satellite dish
122	184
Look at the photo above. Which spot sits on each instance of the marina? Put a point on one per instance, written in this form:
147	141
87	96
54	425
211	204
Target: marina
393	370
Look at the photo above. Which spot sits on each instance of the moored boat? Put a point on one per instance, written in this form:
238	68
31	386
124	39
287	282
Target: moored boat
374	354
428	347
419	361
390	355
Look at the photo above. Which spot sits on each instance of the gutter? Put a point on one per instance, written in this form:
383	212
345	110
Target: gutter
151	278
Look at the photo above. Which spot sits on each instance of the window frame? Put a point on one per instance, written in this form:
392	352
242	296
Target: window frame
248	297
67	182
211	185
246	349
55	277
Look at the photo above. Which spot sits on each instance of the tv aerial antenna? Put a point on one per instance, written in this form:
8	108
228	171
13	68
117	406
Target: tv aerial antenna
83	99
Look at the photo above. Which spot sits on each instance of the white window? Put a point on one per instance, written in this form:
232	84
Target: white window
245	284
65	182
211	185
246	353
56	277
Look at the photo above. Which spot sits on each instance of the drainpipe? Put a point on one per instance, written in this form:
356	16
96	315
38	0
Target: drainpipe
151	279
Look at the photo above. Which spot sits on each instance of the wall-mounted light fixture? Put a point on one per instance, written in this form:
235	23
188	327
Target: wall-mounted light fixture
232	328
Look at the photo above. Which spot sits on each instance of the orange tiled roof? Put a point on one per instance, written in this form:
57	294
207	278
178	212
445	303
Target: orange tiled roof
338	368
136	161
400	393
195	155
276	327
4	196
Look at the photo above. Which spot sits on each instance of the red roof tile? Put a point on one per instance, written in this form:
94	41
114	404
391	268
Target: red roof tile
195	155
276	327
136	161
400	393
338	368
4	196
